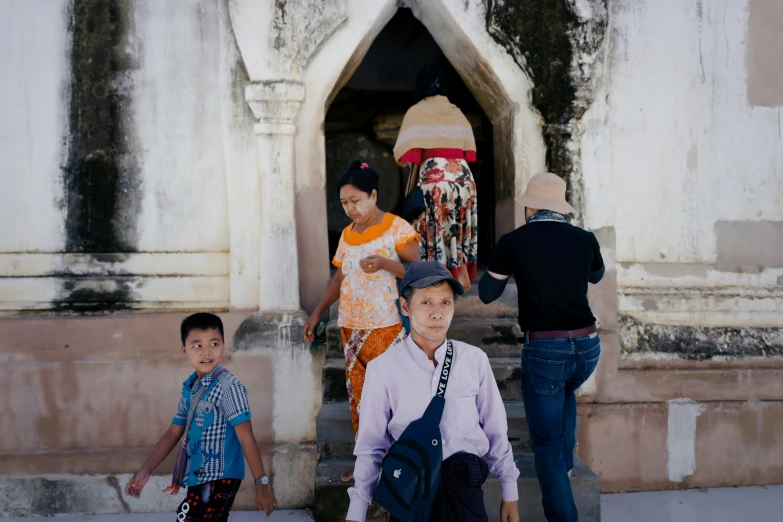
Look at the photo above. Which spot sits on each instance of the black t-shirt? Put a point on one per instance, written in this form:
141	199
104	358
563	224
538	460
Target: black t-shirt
551	263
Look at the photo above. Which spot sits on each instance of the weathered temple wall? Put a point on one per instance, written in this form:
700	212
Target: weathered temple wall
123	122
134	177
86	399
682	164
685	167
126	148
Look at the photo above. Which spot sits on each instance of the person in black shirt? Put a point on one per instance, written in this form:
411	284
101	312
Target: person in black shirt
552	263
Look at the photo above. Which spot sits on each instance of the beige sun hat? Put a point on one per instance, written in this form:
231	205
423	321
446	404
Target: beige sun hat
546	191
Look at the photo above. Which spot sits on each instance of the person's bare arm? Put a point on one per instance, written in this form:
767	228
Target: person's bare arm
332	294
409	254
162	449
265	497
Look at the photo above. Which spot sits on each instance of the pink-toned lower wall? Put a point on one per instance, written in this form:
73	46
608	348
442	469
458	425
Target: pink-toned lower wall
94	394
85	398
91	395
736	444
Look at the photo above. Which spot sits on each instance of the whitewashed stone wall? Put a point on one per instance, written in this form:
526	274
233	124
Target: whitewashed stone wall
680	154
190	148
32	125
684	167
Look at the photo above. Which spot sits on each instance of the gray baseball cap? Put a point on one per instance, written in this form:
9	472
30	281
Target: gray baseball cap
427	273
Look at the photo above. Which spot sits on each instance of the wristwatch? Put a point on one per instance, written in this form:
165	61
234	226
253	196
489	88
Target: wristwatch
263	480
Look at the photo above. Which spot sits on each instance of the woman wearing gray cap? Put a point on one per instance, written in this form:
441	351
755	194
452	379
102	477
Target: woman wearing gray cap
398	388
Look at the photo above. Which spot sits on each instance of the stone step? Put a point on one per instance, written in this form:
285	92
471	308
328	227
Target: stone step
70	497
334	434
496	336
469	304
331	497
506	369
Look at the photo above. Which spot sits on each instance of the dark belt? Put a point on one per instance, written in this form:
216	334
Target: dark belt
563	334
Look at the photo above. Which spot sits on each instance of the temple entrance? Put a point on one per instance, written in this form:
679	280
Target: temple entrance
364	119
359	83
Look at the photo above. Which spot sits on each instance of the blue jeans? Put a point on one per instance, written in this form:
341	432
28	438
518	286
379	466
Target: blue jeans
552	370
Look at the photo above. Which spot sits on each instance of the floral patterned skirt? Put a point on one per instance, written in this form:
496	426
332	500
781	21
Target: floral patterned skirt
449	225
361	347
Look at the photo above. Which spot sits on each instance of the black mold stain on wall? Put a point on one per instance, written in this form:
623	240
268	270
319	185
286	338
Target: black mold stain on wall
84	297
699	343
538	29
101	187
538	34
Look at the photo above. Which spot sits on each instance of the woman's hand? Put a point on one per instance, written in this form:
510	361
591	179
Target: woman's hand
373	264
509	512
308	330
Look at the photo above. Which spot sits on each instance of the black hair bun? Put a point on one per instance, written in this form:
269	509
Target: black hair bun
361	176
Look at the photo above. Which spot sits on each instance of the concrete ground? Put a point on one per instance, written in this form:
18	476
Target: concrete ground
236	516
757	504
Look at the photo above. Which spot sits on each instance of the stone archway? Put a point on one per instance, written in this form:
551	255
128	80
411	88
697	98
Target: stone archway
499	85
299	53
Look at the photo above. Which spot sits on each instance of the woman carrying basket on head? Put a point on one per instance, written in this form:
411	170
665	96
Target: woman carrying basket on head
438	138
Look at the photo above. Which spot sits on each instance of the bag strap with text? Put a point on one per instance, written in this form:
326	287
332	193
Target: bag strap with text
444	373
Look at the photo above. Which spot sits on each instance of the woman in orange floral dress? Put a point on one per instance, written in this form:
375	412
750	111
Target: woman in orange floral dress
369	261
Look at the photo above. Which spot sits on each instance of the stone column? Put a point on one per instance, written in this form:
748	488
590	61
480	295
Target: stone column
268	346
275	103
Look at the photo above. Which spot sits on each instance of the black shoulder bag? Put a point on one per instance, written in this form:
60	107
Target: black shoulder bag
413	205
410	471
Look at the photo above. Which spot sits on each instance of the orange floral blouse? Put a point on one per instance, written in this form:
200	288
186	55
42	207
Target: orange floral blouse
369	301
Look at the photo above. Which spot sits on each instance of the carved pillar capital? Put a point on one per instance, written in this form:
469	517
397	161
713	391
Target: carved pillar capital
275	103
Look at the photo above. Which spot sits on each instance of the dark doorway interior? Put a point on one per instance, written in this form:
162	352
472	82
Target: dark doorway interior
364	118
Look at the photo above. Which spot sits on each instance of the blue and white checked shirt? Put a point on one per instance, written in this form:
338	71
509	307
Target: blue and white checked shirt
214	451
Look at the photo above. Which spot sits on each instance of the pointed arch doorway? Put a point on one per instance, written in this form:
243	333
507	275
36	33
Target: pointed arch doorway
362	91
364	118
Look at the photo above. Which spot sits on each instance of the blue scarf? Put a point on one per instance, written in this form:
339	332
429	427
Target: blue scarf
547	215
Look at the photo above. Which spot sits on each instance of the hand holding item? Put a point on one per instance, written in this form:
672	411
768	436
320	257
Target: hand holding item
308	330
372	264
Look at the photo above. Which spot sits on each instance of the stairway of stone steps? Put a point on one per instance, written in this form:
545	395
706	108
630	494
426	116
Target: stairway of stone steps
492	328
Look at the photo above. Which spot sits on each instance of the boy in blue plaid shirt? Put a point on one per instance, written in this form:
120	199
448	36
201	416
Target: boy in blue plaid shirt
214	415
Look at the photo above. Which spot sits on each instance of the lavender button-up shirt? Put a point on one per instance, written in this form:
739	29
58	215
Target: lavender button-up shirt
398	388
